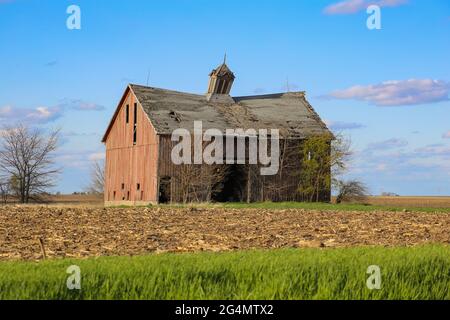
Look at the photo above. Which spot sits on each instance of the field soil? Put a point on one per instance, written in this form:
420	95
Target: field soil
405	201
73	200
88	232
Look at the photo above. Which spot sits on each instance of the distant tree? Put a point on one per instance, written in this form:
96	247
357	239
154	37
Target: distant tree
389	194
322	157
14	186
5	191
97	185
352	190
26	156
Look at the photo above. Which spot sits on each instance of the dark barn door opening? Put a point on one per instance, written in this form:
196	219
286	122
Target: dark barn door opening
164	190
234	185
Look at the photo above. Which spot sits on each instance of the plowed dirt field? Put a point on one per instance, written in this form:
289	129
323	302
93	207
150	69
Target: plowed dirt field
89	232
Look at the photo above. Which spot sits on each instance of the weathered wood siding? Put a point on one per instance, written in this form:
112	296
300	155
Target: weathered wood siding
131	169
277	188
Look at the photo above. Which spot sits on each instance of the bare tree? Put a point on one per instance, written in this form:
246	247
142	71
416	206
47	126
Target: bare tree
288	174
352	190
212	179
97	185
26	155
198	183
185	177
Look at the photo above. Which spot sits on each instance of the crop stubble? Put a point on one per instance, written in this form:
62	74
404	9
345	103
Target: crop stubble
89	232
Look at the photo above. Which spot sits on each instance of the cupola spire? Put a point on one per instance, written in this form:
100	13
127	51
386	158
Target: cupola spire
221	79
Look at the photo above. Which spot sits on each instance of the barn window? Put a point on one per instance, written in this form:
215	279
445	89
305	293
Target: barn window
127	114
123	186
138	186
114	195
223	90
135	124
219	86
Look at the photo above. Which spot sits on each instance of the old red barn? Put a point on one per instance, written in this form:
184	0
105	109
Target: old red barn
138	143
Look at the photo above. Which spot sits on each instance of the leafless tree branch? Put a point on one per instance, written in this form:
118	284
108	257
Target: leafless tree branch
97	185
26	160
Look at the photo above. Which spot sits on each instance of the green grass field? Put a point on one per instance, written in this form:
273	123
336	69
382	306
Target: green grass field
312	206
406	273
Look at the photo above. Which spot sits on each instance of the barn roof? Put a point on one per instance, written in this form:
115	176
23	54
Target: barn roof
289	112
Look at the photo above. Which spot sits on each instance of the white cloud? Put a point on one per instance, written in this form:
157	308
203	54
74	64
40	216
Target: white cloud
342	125
79	158
431	163
5	111
381	167
38	115
428	163
80	105
433	150
97	156
354	6
424	170
446	135
397	92
387	144
79	134
42	114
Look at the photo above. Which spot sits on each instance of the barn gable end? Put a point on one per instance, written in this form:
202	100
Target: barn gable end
131	155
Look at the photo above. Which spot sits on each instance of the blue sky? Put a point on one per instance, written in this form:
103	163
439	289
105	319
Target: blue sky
387	89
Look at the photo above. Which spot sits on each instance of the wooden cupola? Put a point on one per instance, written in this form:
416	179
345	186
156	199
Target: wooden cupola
221	80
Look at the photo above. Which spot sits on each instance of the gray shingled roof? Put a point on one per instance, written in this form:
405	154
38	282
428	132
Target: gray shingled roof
289	112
